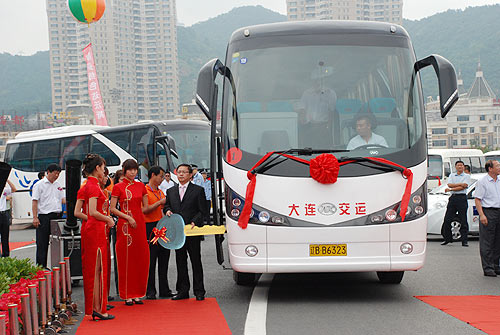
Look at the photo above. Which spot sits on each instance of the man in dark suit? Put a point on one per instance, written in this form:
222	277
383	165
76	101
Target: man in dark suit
188	200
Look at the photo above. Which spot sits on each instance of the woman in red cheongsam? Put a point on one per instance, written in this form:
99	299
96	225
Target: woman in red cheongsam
95	242
132	250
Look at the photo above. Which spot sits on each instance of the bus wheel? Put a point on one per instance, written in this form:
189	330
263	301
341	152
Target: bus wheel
394	277
243	278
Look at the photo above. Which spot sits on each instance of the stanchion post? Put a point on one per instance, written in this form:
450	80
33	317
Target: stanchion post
57	288
34	309
62	266
48	277
13	319
42	288
3	326
26	314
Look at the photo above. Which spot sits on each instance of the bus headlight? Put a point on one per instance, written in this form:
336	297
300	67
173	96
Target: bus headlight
251	251
264	216
235	213
236	202
406	248
391	215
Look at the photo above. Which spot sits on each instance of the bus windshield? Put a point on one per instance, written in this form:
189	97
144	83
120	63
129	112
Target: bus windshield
360	100
435	166
193	146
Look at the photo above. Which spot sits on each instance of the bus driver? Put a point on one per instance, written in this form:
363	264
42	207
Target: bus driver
365	134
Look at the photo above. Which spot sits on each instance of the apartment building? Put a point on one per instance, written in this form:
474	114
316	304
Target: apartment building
135	48
364	10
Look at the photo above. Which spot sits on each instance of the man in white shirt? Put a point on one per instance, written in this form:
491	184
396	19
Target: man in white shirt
5	217
365	134
317	105
166	183
48	197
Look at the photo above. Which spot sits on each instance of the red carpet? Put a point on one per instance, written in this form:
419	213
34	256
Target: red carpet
480	311
15	245
160	317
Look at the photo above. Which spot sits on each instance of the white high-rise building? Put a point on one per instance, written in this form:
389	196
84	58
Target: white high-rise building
135	47
365	10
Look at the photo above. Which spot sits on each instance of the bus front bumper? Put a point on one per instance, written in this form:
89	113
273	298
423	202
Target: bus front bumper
287	250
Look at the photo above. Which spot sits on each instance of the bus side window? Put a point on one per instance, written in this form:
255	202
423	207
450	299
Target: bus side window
74	148
97	147
475	166
447	169
19	155
45	153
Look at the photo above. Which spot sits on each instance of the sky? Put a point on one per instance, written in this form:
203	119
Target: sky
23	23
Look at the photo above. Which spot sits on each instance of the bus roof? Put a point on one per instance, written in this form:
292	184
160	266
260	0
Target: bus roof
32	134
319	27
456	152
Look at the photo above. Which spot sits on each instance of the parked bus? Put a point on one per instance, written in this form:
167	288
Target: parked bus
166	143
441	162
291	217
492	155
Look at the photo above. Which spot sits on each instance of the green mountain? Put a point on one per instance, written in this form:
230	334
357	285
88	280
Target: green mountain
203	41
462	36
25	83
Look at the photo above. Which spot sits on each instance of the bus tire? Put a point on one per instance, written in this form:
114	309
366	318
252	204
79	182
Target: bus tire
393	277
243	278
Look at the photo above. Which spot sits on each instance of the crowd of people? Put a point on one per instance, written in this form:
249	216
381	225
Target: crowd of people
126	210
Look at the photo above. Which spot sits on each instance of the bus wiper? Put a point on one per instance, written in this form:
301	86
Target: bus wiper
311	151
266	164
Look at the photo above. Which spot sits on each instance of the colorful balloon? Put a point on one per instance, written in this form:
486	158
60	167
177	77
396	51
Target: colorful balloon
87	11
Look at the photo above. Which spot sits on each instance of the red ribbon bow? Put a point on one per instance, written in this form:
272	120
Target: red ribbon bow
159	234
324	169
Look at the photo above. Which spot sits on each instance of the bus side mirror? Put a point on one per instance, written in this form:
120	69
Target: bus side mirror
447	79
206	89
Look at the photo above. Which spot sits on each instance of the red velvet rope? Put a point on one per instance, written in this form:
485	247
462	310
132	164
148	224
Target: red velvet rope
324	169
436	177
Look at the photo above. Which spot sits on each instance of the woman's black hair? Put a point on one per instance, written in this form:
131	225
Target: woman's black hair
116	178
129	164
90	162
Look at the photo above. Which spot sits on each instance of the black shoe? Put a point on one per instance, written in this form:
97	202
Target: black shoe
101	317
168	295
446	242
110	298
465	244
180	296
129	303
490	274
138	302
151	297
108	307
200	297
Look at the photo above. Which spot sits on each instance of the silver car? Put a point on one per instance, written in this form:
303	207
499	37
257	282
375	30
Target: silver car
437	202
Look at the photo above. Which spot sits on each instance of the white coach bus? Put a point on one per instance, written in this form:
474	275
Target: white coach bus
293	92
164	143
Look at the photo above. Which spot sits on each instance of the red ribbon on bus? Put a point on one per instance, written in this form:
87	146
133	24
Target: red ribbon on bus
324	169
159	234
436	177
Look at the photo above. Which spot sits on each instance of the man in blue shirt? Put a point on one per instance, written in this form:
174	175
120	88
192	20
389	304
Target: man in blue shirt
197	178
488	206
457	184
207	186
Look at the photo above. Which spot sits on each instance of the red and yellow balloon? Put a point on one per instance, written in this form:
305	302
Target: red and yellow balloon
87	11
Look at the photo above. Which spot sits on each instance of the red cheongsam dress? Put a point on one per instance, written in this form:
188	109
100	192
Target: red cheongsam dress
95	249
132	250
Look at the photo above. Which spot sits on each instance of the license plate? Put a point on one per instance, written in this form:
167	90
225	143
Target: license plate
327	250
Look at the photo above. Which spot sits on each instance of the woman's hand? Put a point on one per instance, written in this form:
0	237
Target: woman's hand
132	222
110	222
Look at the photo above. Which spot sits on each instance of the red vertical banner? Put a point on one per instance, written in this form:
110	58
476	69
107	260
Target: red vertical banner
94	90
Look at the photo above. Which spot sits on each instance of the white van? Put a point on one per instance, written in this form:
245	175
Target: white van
492	155
441	162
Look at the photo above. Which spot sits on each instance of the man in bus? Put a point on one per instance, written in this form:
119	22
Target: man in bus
364	126
467	169
317	106
488	206
48	197
458	183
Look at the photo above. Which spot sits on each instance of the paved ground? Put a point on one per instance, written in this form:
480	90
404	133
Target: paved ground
345	303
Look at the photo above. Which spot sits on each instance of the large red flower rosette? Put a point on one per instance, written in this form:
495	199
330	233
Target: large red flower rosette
324	168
